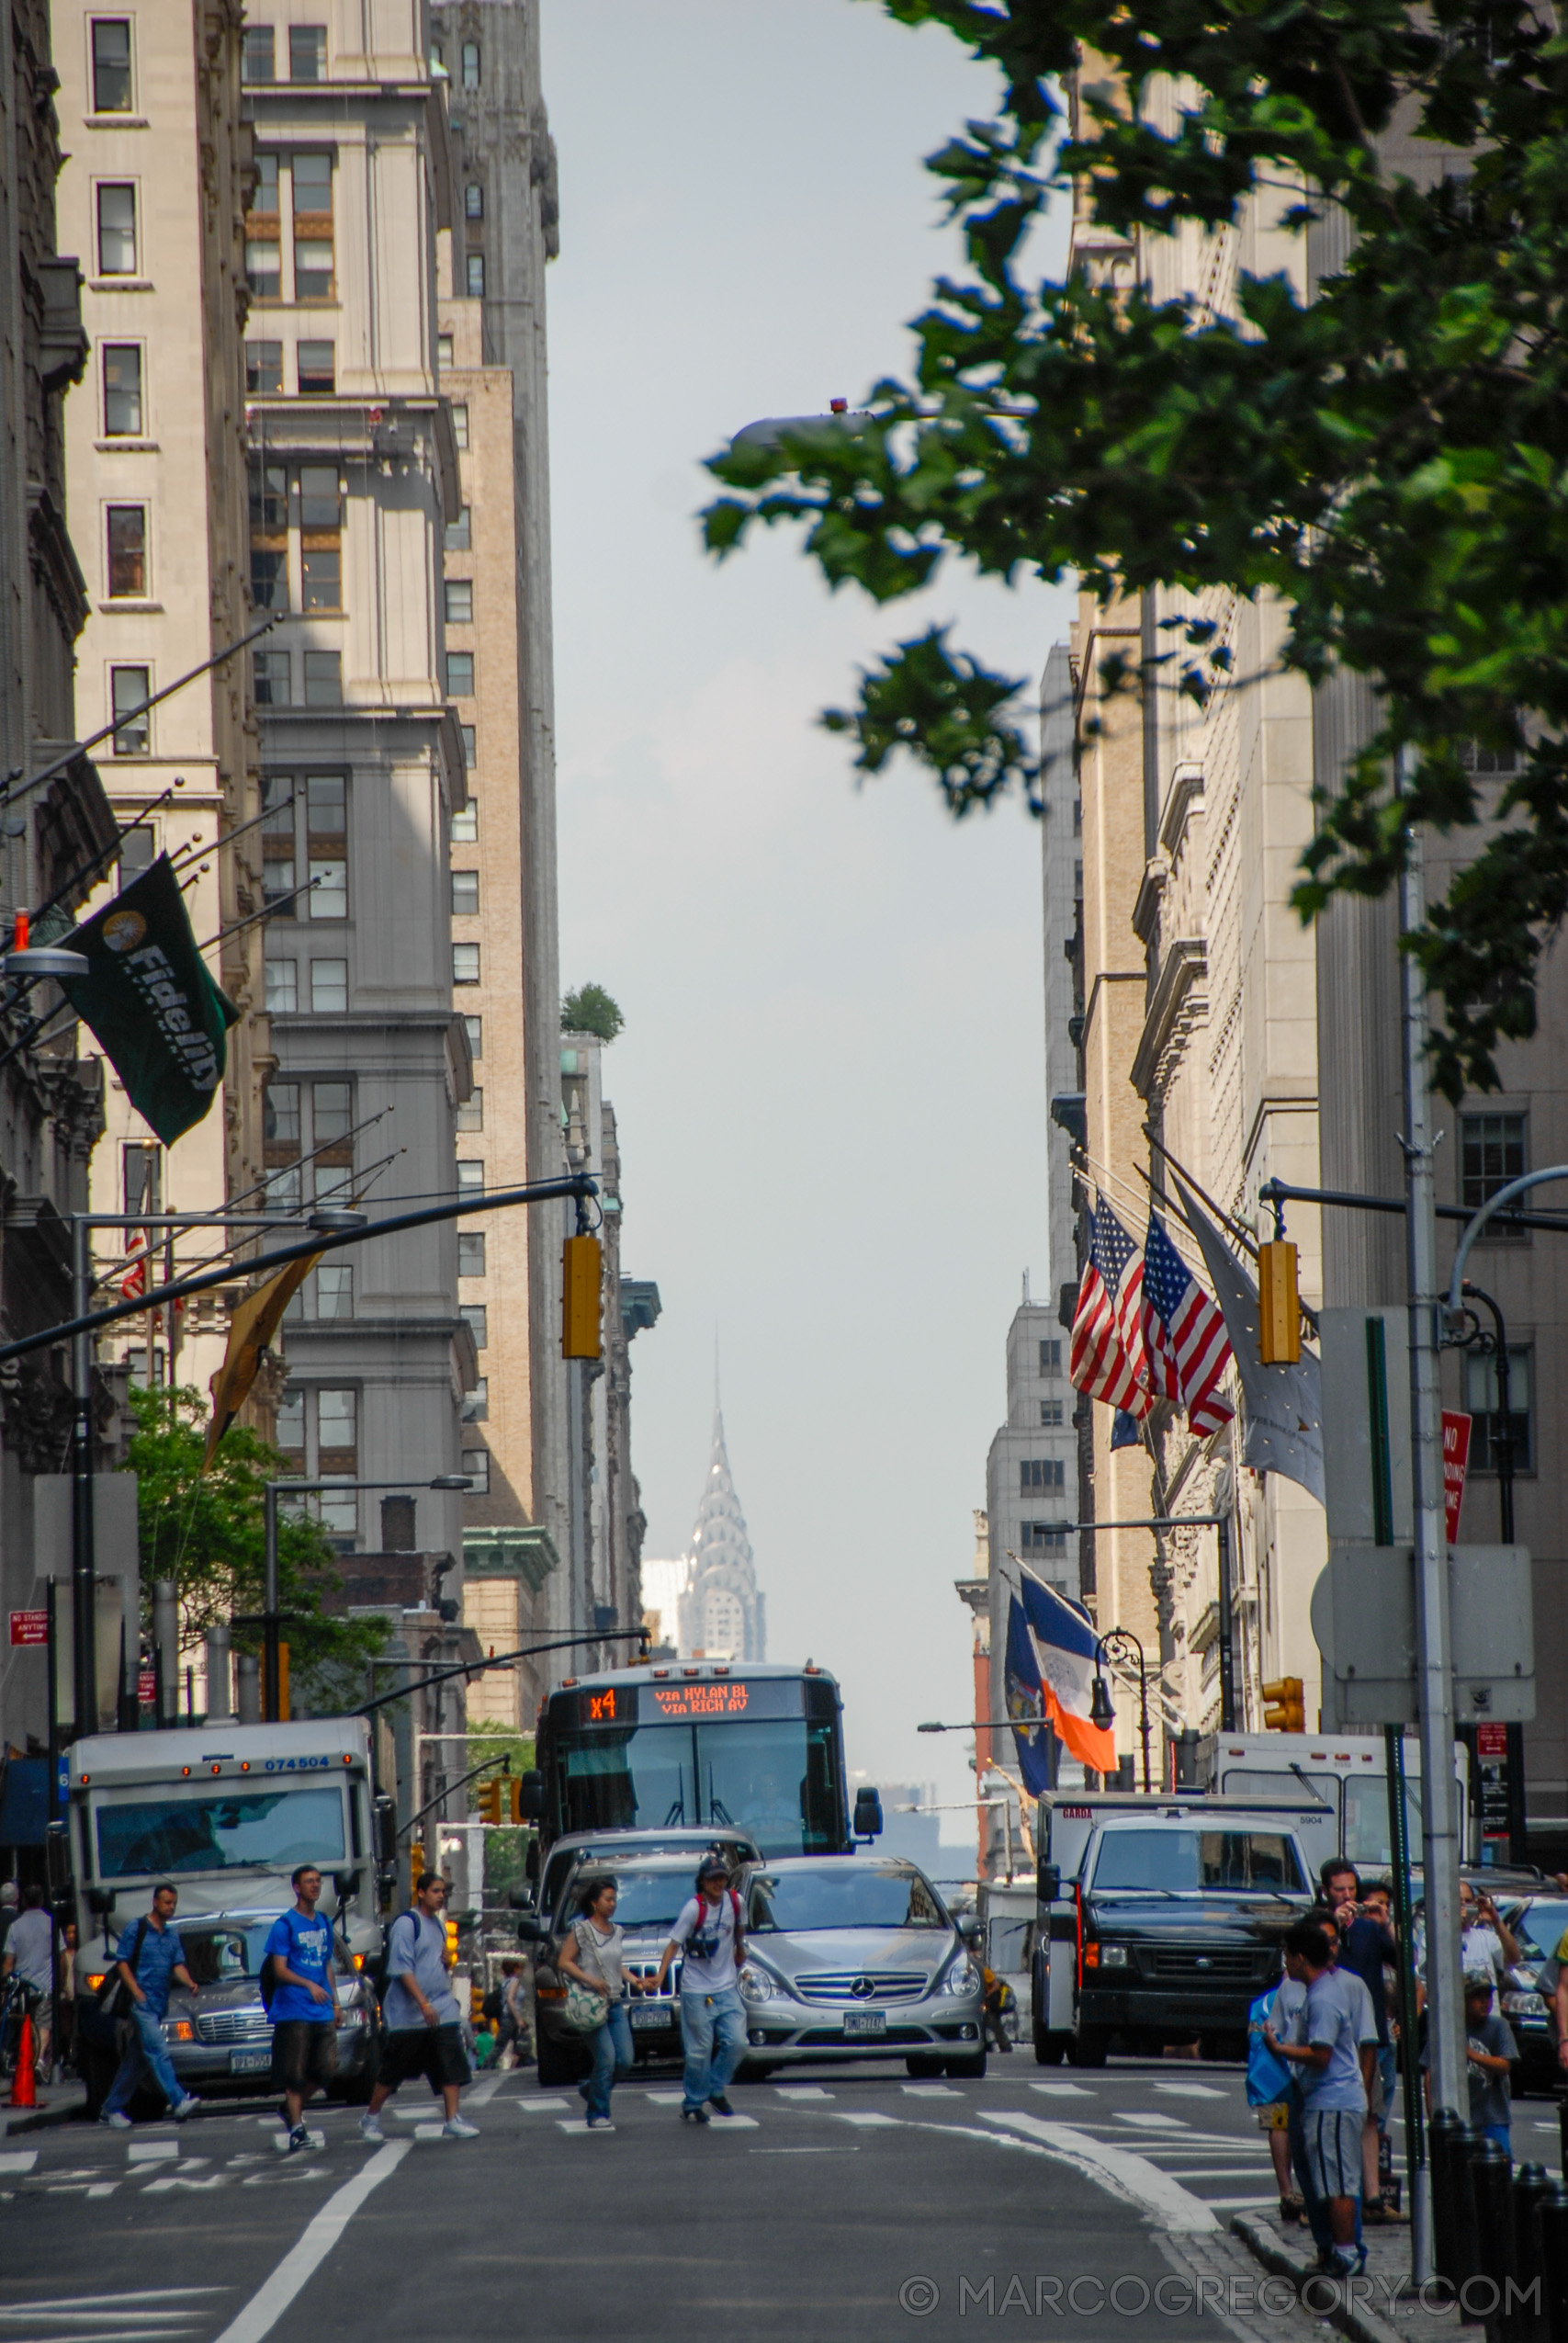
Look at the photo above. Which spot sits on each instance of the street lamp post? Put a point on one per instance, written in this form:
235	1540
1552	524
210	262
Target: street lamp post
1221	1525
1100	1710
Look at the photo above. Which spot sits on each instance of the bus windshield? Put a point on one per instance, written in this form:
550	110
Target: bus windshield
145	1837
776	1780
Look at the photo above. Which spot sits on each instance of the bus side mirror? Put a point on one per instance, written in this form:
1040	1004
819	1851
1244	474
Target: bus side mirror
100	1901
868	1814
531	1796
385	1830
1050	1885
531	1861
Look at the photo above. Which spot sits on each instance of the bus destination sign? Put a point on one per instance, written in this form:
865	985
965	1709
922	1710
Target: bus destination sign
690	1700
714	1699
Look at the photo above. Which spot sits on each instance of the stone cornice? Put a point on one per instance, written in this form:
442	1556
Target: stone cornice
1179	1003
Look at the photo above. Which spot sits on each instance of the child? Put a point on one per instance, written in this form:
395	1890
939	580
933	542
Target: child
1492	2052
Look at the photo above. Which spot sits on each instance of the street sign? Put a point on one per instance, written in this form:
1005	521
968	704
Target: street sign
1456	1464
1365	1424
1364	1619
30	1626
146	1687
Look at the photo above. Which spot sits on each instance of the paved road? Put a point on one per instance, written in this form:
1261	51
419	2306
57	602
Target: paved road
836	2206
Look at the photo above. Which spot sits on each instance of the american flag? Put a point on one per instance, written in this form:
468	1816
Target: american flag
1184	1334
1108	1358
134	1281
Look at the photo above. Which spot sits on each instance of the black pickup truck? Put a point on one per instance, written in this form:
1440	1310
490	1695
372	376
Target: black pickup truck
1160	1921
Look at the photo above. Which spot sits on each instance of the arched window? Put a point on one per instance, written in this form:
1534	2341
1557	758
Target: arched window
470	65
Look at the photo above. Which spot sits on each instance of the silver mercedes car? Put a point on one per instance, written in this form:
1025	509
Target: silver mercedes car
855	1957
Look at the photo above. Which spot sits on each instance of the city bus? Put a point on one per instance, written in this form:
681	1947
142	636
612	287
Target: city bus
705	1744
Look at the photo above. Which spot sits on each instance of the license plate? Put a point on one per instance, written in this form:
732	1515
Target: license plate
250	2061
644	2019
866	2021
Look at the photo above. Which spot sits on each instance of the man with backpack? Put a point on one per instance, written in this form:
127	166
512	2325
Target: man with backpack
425	2033
713	2018
301	2000
147	1956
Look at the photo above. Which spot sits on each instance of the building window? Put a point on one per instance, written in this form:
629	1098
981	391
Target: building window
122	390
471	1112
464	964
324	679
128	689
476	1403
329	987
458	534
475	1463
464	894
470	65
463	829
269	537
326	822
128	550
476	1031
473	200
477	1318
1051	1358
263	268
262	205
476	265
317	364
312	176
1051	1411
443	353
111	65
460	424
264	369
321	577
1492	1153
321	540
1044	1537
258	59
337	1453
334	1290
1487	1425
282	1144
138	851
1041	1472
470	1252
1488	763
282	987
270	674
307	52
459	674
290	1435
116	231
142	1179
459	602
470	1177
470	749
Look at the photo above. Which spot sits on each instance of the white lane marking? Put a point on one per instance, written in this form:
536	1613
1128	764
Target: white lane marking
482	2093
928	2090
165	2295
1239	2205
164	2187
1190	2091
872	2122
1220	2171
1125	2174
299	2265
734	2123
1062	2090
151	2151
102	2188
852	2150
1155	2122
528	2104
427	2131
19	2160
661	2098
286	2179
800	2090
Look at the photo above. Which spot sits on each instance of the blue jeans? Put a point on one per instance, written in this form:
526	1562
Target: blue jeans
146	2048
713	2026
1388	2067
611	2046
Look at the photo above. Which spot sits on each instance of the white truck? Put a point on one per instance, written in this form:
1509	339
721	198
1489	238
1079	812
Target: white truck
1346	1772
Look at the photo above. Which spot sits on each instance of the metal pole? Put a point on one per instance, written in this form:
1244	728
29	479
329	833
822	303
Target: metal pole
1227	1658
1418	2176
269	1617
84	1620
1439	1825
1505	1446
1144	1717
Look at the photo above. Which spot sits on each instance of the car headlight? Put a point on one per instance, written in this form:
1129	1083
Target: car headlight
1112	1956
963	1976
756	1985
1525	2005
178	2030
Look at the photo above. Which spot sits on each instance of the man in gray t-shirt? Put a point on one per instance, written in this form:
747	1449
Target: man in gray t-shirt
425	2033
1329	2059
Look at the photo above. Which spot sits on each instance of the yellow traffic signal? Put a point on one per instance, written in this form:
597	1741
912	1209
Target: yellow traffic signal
514	1799
451	1943
1279	1304
416	1861
1285	1711
580	1270
487	1800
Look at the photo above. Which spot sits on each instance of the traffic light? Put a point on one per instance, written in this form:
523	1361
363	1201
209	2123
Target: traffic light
514	1799
451	1943
581	1266
1279	1304
1284	1711
416	1861
487	1799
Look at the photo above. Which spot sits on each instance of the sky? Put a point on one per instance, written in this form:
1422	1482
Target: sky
831	1088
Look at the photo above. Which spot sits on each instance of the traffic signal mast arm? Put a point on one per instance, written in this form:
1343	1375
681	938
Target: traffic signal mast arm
442	1795
501	1660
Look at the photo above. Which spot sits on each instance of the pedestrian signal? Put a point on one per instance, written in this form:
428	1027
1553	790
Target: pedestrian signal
1279	1304
1284	1709
487	1800
581	1266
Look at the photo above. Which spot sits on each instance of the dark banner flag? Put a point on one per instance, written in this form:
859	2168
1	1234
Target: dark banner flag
160	1018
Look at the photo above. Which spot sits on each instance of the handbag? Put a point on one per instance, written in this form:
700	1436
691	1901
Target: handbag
115	1999
584	2011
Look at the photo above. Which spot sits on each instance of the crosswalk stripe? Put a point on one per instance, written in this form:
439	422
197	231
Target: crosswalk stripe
1118	2169
19	2160
930	2091
870	2122
1190	2090
1062	2090
800	2092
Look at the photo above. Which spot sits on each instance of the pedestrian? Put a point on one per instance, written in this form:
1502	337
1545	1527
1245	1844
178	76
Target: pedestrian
709	1932
591	1954
996	1999
147	1956
424	2032
68	1949
1331	2065
10	1903
1366	1944
1270	2083
301	2001
28	1957
1491	2053
513	2042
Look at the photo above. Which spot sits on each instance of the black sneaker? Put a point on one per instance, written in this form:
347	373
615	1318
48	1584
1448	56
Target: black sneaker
694	2115
299	2138
720	2105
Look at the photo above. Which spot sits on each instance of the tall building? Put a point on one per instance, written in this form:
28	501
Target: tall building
153	197
353	482
723	1612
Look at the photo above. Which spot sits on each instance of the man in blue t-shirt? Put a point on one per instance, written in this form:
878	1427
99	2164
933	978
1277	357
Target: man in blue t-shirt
301	2002
147	1956
1332	2067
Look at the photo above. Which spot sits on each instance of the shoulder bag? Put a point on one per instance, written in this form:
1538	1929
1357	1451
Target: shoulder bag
585	2011
115	1997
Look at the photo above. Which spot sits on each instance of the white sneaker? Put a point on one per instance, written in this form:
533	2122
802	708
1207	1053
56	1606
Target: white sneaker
187	2106
117	2121
370	2128
458	2130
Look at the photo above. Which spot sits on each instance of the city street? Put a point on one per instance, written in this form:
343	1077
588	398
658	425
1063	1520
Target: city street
833	2205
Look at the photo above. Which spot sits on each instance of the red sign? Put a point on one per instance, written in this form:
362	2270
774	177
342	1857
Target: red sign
1456	1464
146	1687
30	1626
1491	1740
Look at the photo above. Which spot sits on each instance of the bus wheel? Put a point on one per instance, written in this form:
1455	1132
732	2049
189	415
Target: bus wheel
923	2069
1050	2049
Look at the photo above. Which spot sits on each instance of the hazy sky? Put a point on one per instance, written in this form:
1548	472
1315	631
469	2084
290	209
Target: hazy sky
831	1088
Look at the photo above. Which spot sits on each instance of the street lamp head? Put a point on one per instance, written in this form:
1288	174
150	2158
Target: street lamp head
930	1728
449	1480
337	1219
32	962
1100	1712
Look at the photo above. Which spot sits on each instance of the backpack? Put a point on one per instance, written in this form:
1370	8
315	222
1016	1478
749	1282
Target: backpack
114	1995
739	1926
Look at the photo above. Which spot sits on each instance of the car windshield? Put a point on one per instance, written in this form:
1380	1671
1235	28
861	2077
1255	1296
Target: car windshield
153	1837
645	1898
1540	1927
223	1955
1185	1863
841	1895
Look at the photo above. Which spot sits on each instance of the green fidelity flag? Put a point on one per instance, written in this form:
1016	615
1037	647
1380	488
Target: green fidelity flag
149	999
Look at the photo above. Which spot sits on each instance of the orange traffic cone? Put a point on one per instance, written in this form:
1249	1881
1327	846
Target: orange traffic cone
24	2083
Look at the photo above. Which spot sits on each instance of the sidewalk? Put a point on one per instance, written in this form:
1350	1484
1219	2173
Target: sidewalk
57	2103
1380	2307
